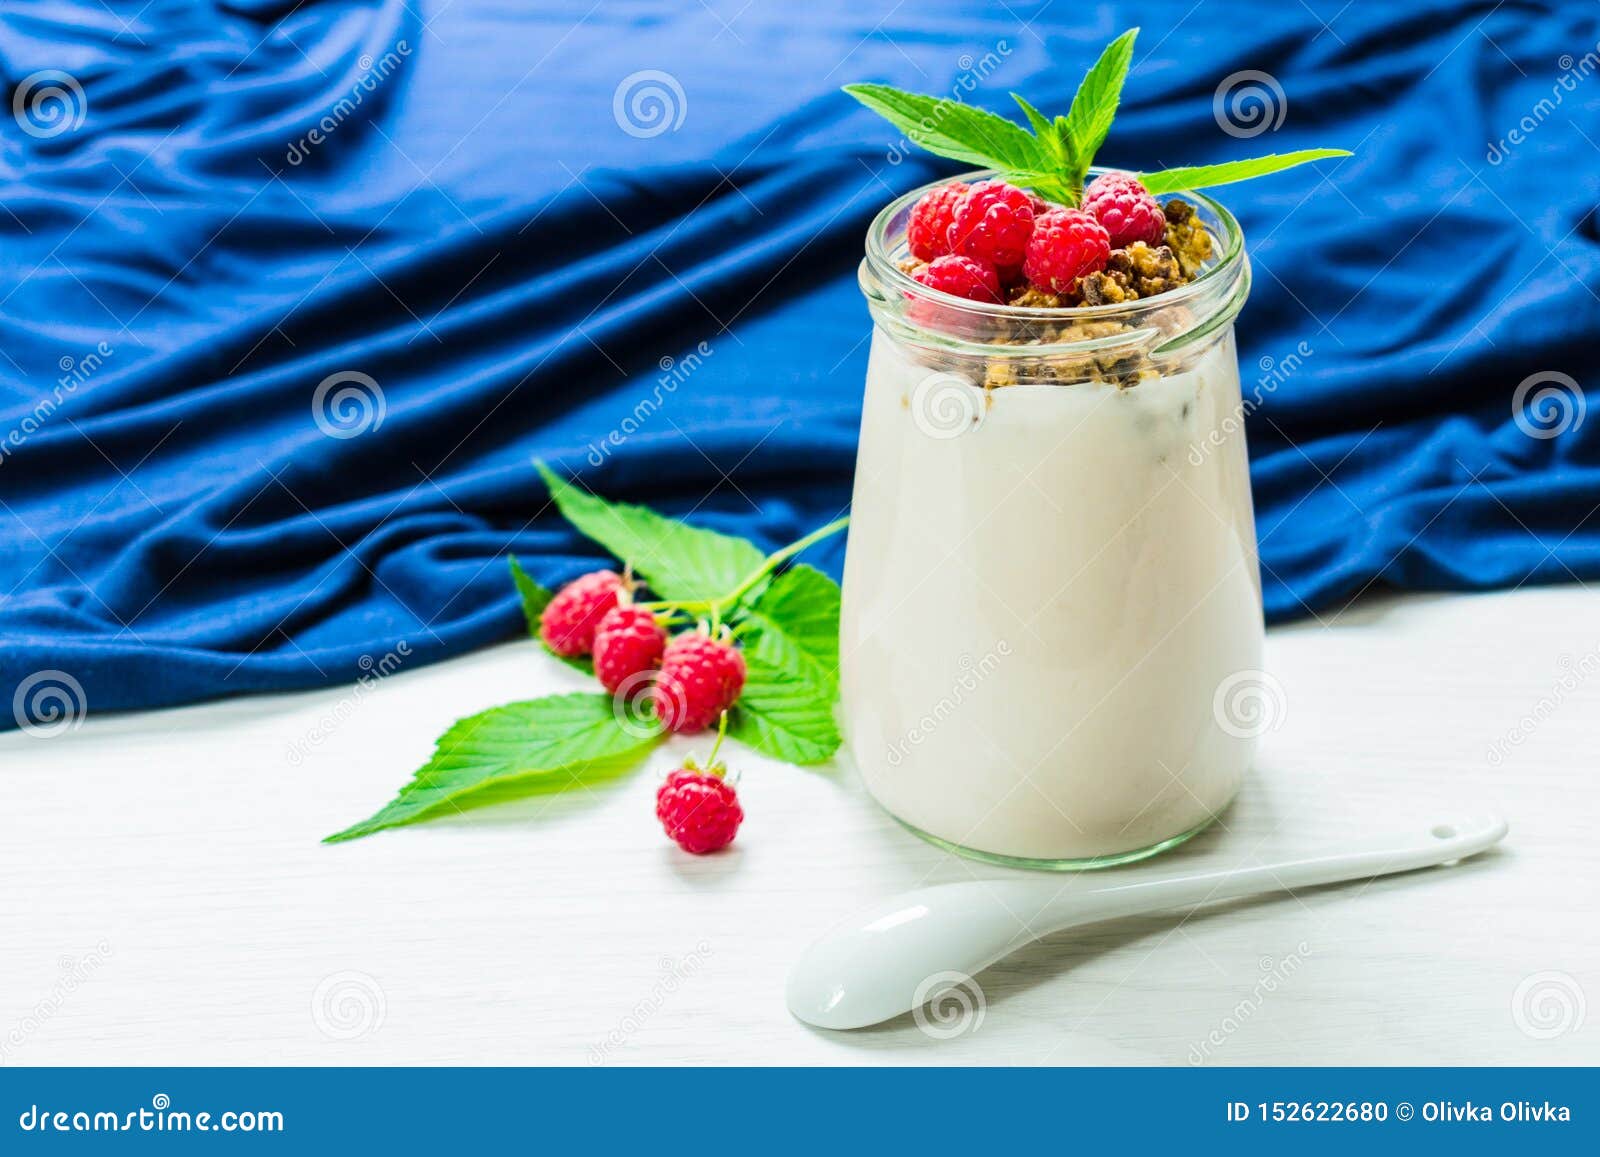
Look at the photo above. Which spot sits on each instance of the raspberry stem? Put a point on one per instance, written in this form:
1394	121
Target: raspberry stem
716	607
722	731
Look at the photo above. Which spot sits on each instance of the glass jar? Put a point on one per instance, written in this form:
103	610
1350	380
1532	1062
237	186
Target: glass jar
1051	585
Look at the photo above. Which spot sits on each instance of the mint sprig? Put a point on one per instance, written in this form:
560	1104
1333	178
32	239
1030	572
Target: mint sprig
1083	130
1054	159
785	617
963	133
1210	176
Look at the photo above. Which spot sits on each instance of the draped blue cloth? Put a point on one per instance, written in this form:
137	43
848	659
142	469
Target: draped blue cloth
292	294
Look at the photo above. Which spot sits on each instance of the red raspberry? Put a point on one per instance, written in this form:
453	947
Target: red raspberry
699	809
1129	213
567	623
929	226
992	223
1066	244
627	643
699	680
960	277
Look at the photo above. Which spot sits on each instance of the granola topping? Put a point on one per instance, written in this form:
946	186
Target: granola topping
1137	271
1186	236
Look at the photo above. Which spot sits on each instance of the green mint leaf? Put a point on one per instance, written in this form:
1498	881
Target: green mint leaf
534	600
797	618
959	131
519	749
1051	188
1043	127
1209	176
1094	106
682	563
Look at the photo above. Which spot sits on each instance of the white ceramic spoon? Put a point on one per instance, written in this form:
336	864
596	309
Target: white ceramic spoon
882	961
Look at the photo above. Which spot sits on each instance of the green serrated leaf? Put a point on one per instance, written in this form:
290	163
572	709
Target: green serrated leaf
520	748
959	131
534	600
784	715
1094	106
1209	176
798	619
682	563
790	643
1049	187
1043	127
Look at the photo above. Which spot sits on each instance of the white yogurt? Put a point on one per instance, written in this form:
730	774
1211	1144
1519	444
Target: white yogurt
1044	590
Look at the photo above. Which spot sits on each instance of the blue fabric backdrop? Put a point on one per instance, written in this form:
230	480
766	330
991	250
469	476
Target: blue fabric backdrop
211	209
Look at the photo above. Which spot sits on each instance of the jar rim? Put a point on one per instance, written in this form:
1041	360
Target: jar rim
1218	285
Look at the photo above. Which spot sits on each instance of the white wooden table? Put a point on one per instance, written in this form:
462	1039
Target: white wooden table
164	897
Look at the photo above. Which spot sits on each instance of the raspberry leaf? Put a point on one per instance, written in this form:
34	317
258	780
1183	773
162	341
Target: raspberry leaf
682	563
534	600
797	618
781	711
959	131
1209	176
790	642
1083	130
516	750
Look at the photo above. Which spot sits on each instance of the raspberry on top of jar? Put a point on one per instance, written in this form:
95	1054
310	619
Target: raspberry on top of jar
992	241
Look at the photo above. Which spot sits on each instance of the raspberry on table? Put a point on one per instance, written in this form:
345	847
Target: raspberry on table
700	678
568	621
627	643
1066	244
960	277
1127	210
699	809
992	224
927	232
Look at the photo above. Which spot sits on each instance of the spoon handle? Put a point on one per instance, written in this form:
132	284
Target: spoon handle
1421	846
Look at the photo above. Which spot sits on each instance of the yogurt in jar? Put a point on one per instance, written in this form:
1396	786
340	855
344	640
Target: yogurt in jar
1047	589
